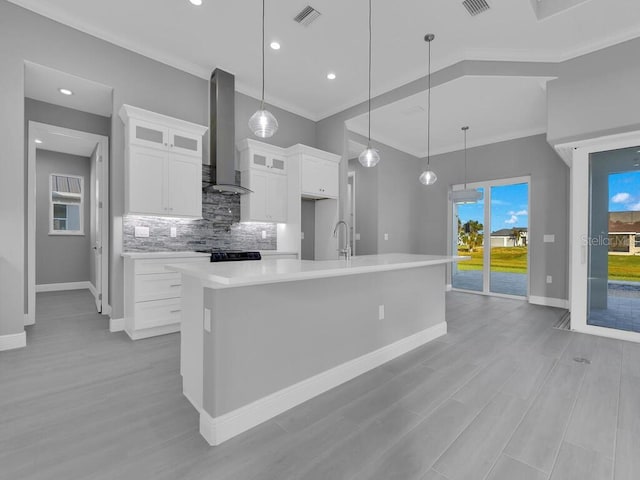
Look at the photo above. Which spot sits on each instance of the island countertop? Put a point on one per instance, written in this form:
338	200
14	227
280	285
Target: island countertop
239	274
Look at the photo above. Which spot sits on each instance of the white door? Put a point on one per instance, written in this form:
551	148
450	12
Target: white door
276	198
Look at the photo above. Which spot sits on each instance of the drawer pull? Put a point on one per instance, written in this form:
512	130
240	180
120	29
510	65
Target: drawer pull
175	311
176	285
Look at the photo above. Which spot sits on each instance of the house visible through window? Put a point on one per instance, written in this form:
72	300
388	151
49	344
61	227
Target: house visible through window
66	212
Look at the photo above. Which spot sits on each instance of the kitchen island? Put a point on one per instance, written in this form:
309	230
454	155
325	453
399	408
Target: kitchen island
260	337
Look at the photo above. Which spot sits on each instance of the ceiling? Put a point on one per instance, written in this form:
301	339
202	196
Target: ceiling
226	34
494	108
62	140
42	83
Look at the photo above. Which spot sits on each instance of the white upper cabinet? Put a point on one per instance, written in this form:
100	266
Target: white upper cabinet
163	164
319	171
264	171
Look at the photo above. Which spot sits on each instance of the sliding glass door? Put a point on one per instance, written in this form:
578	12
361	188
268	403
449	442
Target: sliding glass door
494	232
614	240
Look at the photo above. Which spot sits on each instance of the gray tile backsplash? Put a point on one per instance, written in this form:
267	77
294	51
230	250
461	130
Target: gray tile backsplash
219	229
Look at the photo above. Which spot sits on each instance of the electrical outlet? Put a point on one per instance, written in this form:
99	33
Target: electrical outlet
301	235
380	312
174	232
549	279
141	232
386	236
549	238
264	234
357	236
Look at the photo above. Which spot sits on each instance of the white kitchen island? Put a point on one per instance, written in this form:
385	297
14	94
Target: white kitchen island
260	337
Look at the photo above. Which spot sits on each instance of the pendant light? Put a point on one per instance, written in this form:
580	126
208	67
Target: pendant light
369	156
428	177
262	123
467	195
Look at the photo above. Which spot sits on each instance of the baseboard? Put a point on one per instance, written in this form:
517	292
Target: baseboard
59	287
549	301
116	324
219	429
153	331
10	342
29	319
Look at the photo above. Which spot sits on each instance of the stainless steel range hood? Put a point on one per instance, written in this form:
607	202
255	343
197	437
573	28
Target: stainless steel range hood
222	136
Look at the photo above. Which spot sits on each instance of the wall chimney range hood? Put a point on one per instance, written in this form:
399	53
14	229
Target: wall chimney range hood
222	135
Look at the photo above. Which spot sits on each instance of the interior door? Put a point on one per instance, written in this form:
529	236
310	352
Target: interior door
96	224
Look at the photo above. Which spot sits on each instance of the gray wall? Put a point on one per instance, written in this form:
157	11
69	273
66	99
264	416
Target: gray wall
549	191
136	80
308	227
366	207
595	95
60	258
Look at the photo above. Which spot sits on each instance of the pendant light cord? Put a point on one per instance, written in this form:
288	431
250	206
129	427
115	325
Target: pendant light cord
369	137
262	101
464	129
429	109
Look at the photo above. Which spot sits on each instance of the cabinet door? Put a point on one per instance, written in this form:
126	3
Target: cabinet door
254	205
185	186
185	143
149	134
311	174
146	181
277	198
329	179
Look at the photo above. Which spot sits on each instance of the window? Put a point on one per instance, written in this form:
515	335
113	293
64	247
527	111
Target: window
637	240
67	199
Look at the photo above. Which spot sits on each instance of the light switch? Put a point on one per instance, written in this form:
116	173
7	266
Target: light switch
549	238
264	234
174	232
380	312
357	236
207	320
142	232
549	279
301	235
386	236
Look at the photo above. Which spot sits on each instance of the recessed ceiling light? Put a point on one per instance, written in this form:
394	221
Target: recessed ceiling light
331	76
38	141
65	91
197	3
275	45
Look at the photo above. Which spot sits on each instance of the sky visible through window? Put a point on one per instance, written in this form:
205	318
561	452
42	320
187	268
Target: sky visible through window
624	192
509	208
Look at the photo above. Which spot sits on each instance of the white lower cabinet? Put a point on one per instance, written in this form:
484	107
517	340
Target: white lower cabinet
153	295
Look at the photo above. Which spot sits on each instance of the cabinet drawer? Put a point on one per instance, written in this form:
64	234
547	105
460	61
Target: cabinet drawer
157	313
157	286
146	267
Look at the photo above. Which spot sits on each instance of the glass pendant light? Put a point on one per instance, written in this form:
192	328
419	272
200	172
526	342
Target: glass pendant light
369	156
262	123
428	177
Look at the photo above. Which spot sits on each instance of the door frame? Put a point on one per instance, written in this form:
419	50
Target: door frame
576	154
486	261
102	178
351	193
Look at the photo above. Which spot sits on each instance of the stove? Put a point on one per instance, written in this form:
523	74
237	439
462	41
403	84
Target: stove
232	255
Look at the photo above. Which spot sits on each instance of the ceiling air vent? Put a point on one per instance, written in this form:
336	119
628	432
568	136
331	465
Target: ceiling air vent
307	16
474	7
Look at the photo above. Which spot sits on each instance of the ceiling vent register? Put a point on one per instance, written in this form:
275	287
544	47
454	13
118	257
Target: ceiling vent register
307	16
475	7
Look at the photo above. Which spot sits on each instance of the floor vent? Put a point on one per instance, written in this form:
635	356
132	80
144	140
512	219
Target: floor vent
307	16
475	7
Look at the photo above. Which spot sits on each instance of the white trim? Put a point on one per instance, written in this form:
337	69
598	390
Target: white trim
549	301
607	332
153	331
116	324
448	287
219	429
59	287
10	342
28	320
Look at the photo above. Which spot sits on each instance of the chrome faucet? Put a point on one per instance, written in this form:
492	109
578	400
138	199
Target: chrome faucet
346	251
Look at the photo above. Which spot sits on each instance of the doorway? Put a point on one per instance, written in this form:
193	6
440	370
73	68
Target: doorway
613	297
72	205
493	229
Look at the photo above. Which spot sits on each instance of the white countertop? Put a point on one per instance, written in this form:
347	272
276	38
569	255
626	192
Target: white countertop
239	274
149	255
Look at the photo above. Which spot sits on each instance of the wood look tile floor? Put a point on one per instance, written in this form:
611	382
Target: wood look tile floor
500	397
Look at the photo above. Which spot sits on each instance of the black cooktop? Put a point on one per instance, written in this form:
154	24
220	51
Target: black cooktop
232	255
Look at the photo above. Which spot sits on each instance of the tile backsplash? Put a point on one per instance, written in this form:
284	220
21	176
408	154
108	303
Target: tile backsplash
219	229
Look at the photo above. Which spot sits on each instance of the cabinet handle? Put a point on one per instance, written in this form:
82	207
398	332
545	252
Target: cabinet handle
171	145
175	311
176	285
165	144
